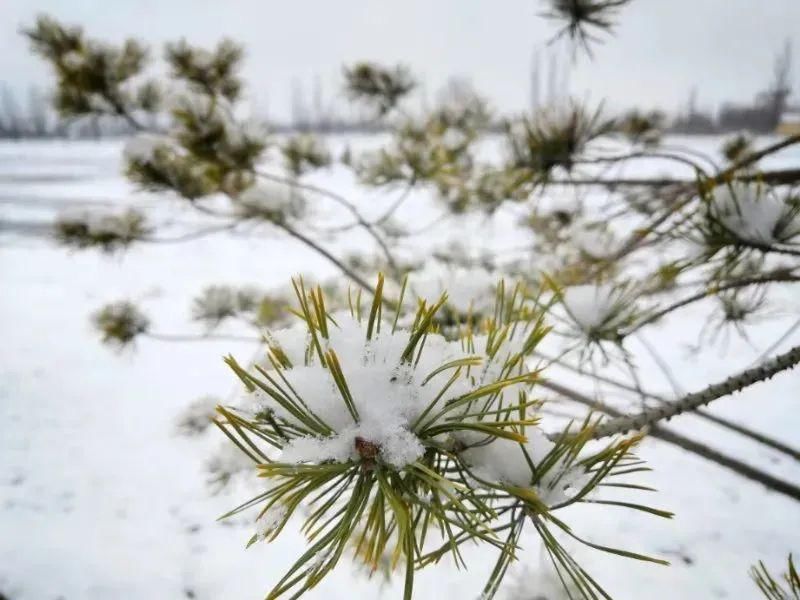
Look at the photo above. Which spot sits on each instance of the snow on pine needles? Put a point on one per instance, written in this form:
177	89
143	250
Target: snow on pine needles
751	215
389	438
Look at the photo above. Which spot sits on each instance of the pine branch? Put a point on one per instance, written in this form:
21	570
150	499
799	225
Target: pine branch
665	435
756	436
691	402
722	177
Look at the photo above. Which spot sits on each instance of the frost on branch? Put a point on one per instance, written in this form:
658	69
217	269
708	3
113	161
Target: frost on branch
92	77
211	72
398	441
303	153
207	150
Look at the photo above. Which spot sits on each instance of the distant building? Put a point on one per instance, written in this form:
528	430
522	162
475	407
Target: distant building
767	113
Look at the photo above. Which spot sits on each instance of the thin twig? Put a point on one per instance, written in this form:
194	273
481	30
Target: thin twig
200	337
342	201
778	342
193	235
317	248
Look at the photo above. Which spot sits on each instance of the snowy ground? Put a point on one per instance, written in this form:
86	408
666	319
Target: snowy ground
100	499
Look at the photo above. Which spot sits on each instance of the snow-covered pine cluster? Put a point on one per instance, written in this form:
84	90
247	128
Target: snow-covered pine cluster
397	441
402	420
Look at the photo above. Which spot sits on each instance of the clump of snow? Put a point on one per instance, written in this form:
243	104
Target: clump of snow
389	395
747	213
503	461
559	201
202	58
398	446
597	307
270	520
245	131
126	225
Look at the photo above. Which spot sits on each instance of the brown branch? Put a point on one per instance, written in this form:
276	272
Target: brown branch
666	435
692	401
720	421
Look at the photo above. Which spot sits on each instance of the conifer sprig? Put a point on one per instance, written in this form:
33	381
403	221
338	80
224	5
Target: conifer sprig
406	466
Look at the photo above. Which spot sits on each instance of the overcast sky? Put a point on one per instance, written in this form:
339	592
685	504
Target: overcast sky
662	48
